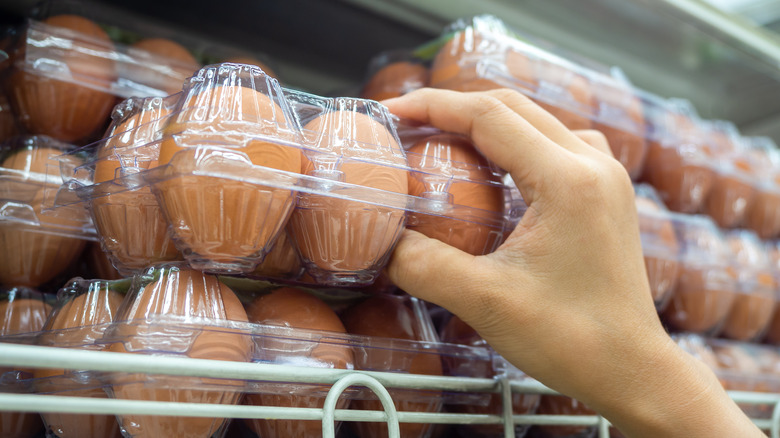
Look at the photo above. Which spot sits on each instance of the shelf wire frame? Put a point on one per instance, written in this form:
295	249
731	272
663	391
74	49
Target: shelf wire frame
29	356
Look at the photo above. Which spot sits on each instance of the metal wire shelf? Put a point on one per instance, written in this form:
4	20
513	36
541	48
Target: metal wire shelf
28	356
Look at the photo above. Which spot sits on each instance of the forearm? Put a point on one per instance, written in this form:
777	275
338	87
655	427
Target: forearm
673	395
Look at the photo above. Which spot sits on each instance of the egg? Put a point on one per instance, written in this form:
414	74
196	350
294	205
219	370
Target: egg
223	224
162	64
562	405
345	241
252	61
288	307
752	310
185	295
621	120
740	371
395	79
568	95
281	262
680	168
383	316
75	109
763	217
31	255
706	286
455	64
732	194
21	311
98	263
458	332
84	310
660	248
131	226
440	158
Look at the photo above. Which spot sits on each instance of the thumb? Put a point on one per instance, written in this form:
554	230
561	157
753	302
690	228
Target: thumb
436	272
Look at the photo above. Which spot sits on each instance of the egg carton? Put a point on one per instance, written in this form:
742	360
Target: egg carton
72	59
174	311
244	160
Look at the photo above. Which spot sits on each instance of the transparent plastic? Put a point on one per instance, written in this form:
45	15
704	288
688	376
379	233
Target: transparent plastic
707	283
393	74
764	215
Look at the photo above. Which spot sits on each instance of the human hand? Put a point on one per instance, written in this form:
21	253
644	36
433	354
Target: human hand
565	298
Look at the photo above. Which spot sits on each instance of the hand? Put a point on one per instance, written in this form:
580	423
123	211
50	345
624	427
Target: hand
566	297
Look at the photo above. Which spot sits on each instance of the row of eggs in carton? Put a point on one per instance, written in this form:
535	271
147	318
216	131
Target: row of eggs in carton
171	310
235	172
67	66
698	166
707	280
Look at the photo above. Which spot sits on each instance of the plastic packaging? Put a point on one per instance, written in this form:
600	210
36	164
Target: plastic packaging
679	163
22	310
483	55
764	215
82	313
36	245
205	322
757	295
457	332
562	405
733	190
393	74
127	217
660	245
707	283
8	127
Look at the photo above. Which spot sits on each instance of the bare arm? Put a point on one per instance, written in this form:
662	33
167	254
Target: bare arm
566	297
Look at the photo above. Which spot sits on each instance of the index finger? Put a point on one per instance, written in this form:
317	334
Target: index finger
502	135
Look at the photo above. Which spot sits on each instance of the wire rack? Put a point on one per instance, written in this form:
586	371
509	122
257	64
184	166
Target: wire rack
27	356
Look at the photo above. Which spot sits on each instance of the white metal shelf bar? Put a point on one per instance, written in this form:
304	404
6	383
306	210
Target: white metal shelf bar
30	356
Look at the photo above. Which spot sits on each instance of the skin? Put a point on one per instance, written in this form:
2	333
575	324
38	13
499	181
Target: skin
566	297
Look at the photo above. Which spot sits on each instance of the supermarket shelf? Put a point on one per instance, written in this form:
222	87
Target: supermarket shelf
50	357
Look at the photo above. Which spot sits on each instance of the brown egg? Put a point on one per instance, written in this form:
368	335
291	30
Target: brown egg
455	65
75	109
458	332
660	248
573	107
754	305
294	308
179	292
562	405
163	64
706	287
31	255
395	79
281	262
21	311
78	323
99	264
621	120
222	224
763	217
384	316
439	158
732	194
252	61
344	241
681	168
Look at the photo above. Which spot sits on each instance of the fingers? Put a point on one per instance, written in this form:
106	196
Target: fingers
499	132
434	271
594	138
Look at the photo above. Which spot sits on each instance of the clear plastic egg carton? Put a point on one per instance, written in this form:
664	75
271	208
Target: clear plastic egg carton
173	311
74	58
239	164
483	54
37	244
